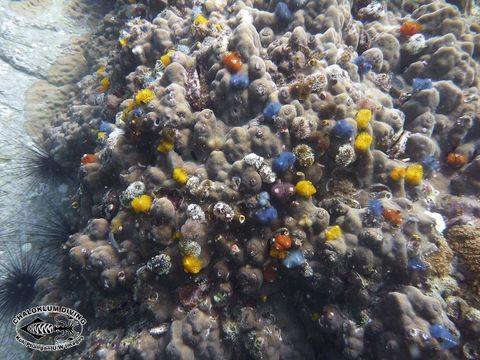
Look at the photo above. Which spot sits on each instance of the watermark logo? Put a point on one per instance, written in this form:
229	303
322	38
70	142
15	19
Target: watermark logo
49	328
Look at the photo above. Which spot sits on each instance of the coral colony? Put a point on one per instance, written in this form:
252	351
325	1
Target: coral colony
274	180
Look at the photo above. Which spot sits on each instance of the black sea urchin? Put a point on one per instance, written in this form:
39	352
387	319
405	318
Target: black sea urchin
19	271
27	161
40	167
52	229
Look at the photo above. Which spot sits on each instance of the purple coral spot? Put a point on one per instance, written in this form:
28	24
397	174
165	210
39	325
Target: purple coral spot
282	190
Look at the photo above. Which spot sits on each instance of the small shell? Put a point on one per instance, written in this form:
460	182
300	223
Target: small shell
159	330
223	211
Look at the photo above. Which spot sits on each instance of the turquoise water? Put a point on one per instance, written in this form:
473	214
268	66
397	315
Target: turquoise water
31	39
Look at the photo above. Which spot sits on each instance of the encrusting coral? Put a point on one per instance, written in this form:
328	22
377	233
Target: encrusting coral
262	176
465	241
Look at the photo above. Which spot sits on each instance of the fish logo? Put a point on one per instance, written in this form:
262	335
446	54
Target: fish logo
39	328
49	328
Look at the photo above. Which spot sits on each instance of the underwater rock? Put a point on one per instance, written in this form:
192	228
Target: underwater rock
464	239
259	176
